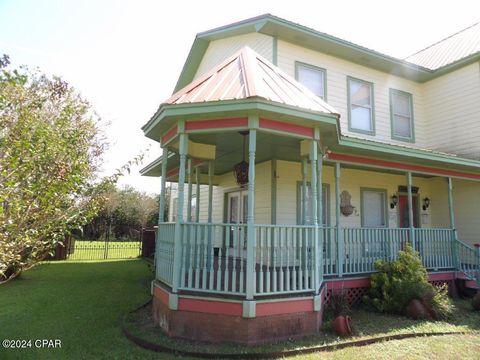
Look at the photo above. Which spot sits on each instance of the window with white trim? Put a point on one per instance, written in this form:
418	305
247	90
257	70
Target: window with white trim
374	213
401	115
308	197
360	107
312	77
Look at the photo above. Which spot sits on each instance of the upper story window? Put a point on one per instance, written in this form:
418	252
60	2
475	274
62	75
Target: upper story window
360	106
401	114
312	77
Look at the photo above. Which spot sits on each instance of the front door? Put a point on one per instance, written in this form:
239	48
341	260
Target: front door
403	209
237	205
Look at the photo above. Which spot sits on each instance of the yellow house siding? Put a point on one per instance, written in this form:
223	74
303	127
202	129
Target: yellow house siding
452	107
219	50
466	199
288	175
439	203
337	72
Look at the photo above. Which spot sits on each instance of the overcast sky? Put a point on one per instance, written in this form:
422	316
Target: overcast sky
125	56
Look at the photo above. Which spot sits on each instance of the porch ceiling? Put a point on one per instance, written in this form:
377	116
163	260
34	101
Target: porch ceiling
229	148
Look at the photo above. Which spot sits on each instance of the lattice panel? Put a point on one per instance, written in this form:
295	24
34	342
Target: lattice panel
440	283
354	295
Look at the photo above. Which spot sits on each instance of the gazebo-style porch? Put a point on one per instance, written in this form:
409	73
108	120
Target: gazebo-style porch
254	262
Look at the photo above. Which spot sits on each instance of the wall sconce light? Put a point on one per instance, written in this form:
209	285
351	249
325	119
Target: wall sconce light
393	201
426	203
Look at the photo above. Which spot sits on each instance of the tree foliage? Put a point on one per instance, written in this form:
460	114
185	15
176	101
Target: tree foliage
398	282
50	153
125	212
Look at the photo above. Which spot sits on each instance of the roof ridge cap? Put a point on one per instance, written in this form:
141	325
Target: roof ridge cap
442	40
203	78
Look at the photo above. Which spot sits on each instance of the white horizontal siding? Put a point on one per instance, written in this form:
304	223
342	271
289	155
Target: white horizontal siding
219	50
337	72
452	106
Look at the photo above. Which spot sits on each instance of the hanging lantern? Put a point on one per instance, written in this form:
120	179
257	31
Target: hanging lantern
240	170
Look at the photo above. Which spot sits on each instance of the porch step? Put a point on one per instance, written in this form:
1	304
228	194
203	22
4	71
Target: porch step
472	284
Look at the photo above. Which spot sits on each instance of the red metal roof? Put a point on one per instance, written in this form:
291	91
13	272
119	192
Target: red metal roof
456	47
248	75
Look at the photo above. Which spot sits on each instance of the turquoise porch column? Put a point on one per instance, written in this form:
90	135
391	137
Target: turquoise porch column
209	216
320	214
197	196
410	209
314	183
304	192
339	232
452	222
177	252
161	211
189	194
210	190
251	245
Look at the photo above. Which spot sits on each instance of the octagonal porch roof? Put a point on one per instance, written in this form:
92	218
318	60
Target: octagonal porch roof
244	76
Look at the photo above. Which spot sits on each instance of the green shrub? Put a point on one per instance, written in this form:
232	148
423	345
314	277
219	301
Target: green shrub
397	283
441	304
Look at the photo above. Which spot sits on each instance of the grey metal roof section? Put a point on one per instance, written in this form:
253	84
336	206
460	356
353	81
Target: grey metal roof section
458	46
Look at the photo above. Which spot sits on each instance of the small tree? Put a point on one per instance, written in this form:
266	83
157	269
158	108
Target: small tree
398	282
50	152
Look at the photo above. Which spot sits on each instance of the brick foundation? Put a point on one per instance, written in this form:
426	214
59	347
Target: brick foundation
216	327
219	320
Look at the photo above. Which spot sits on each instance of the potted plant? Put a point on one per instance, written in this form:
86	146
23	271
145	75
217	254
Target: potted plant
340	307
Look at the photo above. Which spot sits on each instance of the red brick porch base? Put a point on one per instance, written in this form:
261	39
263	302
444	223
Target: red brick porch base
214	320
222	320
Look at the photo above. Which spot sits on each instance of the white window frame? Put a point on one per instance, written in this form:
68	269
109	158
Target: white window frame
371	106
299	65
393	114
363	211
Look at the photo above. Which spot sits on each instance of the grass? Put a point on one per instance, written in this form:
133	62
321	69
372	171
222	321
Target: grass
79	303
82	303
443	347
366	324
95	250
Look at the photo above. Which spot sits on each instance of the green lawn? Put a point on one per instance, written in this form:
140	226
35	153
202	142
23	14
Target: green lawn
82	303
95	250
78	303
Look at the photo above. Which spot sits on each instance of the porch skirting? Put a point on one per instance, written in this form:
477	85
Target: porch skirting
218	319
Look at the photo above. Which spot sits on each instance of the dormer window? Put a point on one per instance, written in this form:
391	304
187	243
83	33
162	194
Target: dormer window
401	114
360	106
312	77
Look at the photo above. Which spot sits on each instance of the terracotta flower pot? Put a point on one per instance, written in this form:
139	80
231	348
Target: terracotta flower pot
342	326
416	310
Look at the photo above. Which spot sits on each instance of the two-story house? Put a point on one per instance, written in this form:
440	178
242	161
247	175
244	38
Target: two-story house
299	159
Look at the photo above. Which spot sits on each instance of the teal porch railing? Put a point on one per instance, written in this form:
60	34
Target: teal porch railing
435	248
164	252
468	260
289	260
285	259
363	246
213	258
